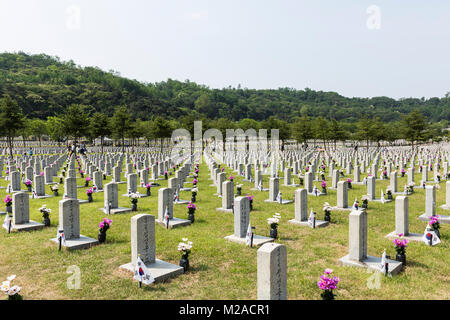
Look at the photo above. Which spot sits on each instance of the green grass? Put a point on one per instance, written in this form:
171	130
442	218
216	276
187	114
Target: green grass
221	269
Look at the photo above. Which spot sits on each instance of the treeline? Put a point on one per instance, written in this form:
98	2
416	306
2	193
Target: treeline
81	122
44	87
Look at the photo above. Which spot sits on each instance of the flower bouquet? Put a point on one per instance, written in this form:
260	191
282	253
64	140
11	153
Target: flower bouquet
273	222
45	214
89	194
104	225
8	203
28	183
134	200
327	285
11	291
191	210
400	247
185	248
250	199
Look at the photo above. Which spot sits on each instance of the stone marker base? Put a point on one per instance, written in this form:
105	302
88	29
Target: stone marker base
30	226
81	201
378	200
98	191
14	191
445	207
291	185
160	270
341	209
319	223
263	189
185	189
282	201
224	210
181	201
359	183
53	182
140	195
442	219
82	242
372	263
257	240
318	194
120	182
116	210
41	197
174	223
409	236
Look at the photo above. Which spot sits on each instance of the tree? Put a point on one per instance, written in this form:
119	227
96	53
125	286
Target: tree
337	132
364	130
413	127
120	124
38	128
301	129
76	121
55	128
321	130
100	127
12	120
161	129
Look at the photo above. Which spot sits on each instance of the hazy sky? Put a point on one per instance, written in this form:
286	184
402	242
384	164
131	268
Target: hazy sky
397	48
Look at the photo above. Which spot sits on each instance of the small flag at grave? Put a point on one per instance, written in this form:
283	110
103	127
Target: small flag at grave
60	237
248	237
430	237
166	217
312	219
141	273
6	222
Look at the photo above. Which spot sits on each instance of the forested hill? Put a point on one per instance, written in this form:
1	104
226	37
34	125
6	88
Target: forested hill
44	86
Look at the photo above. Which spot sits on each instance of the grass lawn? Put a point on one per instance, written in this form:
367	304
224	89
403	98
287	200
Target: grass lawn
221	269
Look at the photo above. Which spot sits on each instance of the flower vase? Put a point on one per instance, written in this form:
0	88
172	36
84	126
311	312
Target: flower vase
47	222
9	209
403	174
61	180
184	262
29	188
191	217
148	192
324	190
273	232
349	185
165	176
251	205
327	217
86	184
15	297
401	257
238	192
102	236
134	207
55	193
90	197
193	199
389	196
327	295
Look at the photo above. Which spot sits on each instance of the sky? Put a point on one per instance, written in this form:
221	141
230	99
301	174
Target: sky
358	48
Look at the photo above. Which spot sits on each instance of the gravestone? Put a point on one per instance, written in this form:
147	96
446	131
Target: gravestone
165	204
272	272
39	187
430	206
69	222
357	242
241	222
111	200
21	213
98	181
143	245
402	220
227	197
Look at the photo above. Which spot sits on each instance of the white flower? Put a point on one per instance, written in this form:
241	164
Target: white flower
11	277
5	286
13	290
185	239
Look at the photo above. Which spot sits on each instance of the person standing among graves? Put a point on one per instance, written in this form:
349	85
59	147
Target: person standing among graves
30	152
